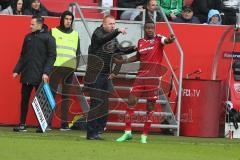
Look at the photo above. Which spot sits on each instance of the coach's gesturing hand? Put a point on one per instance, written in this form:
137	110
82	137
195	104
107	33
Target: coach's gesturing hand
122	30
111	76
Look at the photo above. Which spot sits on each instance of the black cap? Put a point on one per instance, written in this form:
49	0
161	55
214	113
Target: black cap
187	9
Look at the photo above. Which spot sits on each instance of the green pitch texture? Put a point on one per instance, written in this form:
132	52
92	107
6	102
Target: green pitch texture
57	145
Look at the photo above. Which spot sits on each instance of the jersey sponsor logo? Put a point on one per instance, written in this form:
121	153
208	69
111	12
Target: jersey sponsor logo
146	49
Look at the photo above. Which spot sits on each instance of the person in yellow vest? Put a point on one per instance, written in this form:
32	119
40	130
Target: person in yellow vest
67	60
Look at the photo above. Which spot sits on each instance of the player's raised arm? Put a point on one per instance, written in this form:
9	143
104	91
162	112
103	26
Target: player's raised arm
170	39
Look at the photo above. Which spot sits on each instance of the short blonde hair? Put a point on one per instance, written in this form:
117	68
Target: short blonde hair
106	17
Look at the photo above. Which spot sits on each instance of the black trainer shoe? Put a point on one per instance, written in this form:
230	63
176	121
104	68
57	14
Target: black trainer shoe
90	136
98	137
39	130
20	128
65	127
94	137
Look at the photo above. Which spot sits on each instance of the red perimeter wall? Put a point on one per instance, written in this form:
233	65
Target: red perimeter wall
200	44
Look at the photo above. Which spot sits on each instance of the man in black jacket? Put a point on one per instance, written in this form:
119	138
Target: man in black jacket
104	46
187	16
35	63
149	16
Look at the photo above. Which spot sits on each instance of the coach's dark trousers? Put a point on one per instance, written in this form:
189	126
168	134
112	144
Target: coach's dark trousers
98	114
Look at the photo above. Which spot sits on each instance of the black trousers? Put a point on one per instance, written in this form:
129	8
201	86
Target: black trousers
62	76
25	96
98	114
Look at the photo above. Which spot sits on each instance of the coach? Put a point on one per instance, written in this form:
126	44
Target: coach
104	46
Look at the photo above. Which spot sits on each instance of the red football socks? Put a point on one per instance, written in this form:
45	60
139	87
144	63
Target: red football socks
128	118
148	123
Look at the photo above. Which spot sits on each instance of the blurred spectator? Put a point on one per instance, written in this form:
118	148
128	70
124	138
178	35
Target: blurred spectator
214	17
202	7
229	8
187	16
34	7
106	4
149	17
4	4
16	8
130	15
131	3
172	8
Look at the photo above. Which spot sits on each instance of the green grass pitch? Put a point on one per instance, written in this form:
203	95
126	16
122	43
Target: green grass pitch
72	145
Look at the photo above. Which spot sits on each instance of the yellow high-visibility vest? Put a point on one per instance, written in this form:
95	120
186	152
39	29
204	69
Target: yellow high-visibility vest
66	48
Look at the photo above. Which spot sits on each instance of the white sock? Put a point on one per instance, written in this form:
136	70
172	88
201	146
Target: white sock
128	132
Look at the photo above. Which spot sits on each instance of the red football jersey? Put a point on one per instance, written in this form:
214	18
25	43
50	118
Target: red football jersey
150	53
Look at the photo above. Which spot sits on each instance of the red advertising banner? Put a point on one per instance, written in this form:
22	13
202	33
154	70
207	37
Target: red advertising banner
203	46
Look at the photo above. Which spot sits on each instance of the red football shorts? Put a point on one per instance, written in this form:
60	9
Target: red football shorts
146	87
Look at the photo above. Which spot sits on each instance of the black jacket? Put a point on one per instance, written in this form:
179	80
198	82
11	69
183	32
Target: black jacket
202	7
43	11
104	46
5	3
37	56
193	20
149	17
131	3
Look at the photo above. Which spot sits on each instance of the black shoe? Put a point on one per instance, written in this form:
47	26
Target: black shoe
20	128
98	137
39	130
94	137
65	127
90	138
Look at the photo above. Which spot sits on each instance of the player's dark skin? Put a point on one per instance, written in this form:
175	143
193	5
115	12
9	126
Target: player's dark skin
149	33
